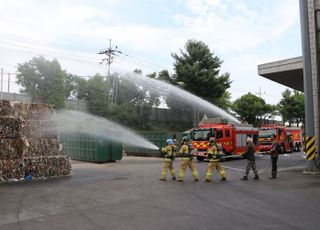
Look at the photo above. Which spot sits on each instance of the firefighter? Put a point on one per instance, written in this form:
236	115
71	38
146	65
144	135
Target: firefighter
249	155
274	154
187	161
214	162
169	154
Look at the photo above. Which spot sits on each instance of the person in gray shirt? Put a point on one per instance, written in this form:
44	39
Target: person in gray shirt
274	153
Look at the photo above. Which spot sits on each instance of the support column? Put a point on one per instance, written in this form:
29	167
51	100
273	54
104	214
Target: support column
307	78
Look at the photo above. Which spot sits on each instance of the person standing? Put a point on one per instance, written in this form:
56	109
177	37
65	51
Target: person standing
250	156
169	154
214	162
274	153
187	161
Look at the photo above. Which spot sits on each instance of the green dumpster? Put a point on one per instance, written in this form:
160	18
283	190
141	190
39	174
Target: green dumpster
90	148
157	138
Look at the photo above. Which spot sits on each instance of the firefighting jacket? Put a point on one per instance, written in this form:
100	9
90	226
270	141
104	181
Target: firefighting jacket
169	152
213	154
185	153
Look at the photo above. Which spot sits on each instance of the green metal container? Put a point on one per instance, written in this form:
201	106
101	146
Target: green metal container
157	138
89	148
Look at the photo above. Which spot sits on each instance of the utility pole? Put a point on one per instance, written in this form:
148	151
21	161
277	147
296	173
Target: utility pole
110	53
8	82
260	92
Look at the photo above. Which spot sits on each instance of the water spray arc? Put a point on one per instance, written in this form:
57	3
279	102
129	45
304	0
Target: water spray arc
74	122
164	89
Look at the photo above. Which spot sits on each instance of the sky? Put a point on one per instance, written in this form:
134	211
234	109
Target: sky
243	33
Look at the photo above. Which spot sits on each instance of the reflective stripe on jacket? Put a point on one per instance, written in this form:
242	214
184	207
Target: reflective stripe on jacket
185	152
213	153
169	152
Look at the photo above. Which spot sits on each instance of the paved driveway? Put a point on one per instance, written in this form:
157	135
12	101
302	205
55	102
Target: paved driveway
128	195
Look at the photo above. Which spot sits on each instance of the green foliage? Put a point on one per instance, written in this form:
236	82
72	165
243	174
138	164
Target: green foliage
197	70
252	109
44	81
291	107
95	91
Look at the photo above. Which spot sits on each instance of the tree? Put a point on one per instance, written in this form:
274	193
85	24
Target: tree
197	70
44	81
291	107
95	91
251	108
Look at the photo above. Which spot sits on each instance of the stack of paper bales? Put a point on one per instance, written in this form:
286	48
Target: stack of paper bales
29	145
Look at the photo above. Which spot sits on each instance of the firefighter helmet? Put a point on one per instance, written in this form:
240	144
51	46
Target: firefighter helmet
185	139
169	142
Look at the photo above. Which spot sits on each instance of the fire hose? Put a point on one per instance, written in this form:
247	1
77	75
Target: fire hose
242	170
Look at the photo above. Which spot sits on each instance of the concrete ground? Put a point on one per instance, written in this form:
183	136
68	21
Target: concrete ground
129	195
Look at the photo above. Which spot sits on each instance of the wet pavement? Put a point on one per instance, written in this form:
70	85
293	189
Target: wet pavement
129	195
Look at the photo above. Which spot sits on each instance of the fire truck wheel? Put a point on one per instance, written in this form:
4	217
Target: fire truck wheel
297	148
199	158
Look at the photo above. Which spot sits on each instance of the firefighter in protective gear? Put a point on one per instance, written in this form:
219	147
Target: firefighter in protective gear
169	154
214	162
187	161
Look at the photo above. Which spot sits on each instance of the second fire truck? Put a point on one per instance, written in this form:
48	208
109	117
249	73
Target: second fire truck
289	138
231	137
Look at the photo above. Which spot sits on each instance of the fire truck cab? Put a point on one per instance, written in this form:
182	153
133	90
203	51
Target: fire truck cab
231	137
289	138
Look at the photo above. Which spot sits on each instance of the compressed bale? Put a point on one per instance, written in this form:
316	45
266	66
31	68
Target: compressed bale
33	111
11	127
6	108
13	148
46	167
37	167
42	147
11	169
40	129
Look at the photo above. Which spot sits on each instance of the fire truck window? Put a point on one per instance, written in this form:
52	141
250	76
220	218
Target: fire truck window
227	132
219	133
201	135
241	140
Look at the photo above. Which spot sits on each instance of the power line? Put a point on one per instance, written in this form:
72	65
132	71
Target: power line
35	41
133	59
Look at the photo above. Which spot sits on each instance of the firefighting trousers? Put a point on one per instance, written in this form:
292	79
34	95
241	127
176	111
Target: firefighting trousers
251	164
168	165
184	165
214	165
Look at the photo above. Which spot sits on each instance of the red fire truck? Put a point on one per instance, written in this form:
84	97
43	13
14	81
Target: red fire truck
289	138
231	137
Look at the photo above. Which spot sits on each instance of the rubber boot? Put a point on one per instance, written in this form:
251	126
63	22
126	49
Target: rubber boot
256	177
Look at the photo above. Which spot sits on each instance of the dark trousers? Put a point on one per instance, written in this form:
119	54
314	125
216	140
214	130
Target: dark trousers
251	164
274	161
